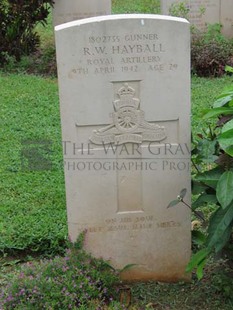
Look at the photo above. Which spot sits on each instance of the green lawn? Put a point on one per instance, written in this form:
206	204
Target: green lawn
136	6
32	208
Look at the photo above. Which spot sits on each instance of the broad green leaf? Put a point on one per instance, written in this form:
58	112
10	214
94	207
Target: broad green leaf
203	199
206	150
200	268
183	193
198	237
197	187
218	111
229	150
127	267
219	223
229	69
210	177
222	101
197	259
224	190
225	139
224	239
173	203
226	92
227	126
230	103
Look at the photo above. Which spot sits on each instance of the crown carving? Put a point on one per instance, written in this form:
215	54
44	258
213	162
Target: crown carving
126	91
126	94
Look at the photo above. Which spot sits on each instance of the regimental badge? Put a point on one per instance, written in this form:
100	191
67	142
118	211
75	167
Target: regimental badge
129	123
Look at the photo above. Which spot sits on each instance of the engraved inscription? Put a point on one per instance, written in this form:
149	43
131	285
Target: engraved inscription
169	224
140	52
128	123
131	223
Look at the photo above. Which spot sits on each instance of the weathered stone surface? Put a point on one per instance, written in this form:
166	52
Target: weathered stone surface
124	84
215	11
226	18
68	10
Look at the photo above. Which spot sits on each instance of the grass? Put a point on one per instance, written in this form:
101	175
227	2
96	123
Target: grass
32	208
136	6
207	294
203	93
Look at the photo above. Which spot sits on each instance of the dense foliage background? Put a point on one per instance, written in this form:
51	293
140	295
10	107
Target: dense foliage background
18	19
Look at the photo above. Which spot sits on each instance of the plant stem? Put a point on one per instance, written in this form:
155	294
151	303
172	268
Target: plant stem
195	212
195	166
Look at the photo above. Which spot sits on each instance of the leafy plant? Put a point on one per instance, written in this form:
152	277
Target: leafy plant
17	22
180	198
213	156
211	52
213	182
180	9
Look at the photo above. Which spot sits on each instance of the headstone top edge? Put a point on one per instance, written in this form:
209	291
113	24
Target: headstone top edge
120	17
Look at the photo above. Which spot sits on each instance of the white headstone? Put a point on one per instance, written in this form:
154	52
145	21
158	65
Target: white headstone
68	10
227	17
197	17
124	84
215	11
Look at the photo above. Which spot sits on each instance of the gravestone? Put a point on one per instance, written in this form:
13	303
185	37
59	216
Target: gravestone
124	85
68	10
227	17
215	11
211	13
